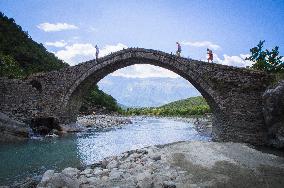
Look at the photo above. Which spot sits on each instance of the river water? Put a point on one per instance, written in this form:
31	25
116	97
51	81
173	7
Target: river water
34	157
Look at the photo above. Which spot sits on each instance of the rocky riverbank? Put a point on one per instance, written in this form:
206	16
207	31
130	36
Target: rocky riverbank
183	164
91	122
14	131
95	122
103	121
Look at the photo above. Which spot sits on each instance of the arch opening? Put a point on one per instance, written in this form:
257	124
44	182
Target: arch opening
75	94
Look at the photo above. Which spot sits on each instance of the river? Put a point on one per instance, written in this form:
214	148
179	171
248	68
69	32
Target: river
34	157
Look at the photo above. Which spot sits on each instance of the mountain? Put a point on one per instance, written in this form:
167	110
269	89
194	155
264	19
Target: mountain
20	55
147	92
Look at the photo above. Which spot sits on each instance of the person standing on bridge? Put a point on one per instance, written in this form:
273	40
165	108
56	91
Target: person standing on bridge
97	52
210	55
178	49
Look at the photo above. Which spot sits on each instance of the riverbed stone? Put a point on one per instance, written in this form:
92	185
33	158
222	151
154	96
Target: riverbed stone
57	180
156	157
87	171
73	172
183	164
115	175
112	164
47	175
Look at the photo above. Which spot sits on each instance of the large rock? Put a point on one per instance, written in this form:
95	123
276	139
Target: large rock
57	180
273	112
12	130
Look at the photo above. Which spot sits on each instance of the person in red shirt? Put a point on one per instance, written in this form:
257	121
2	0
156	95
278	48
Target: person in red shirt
210	55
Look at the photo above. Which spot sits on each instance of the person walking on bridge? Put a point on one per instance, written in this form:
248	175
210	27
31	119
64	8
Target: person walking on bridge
210	55
178	49
97	52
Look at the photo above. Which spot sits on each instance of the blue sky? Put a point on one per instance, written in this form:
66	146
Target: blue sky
71	28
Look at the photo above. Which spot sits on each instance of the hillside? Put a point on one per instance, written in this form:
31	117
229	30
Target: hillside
185	107
186	103
20	55
97	99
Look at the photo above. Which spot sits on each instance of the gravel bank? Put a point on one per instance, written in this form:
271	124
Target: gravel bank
96	122
183	164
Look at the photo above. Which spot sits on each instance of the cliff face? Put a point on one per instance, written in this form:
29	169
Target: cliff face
273	111
11	130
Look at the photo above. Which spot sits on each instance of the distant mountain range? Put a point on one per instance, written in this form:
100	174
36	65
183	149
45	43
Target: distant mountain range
147	92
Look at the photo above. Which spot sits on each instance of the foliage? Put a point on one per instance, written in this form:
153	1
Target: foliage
186	107
21	56
266	60
9	67
98	97
17	46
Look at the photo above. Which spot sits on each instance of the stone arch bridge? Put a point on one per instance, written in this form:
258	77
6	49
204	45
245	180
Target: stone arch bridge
234	94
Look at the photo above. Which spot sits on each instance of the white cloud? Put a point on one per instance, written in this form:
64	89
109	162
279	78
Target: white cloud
237	61
80	52
92	29
144	71
49	27
57	44
111	48
200	44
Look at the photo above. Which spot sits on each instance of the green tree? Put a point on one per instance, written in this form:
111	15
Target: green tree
9	67
28	54
265	60
98	97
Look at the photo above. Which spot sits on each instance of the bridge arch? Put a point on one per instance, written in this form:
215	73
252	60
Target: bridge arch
109	64
234	94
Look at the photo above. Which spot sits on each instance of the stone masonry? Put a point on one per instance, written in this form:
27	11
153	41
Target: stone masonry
234	94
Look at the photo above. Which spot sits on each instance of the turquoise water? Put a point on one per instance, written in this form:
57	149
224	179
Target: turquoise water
35	156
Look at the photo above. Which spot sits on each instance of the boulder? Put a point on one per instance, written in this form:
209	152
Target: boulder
12	130
273	100
44	125
51	179
112	164
73	172
156	157
67	178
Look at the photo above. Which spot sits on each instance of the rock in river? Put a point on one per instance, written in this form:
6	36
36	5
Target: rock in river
12	130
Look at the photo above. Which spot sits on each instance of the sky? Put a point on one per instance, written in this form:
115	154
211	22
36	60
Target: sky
72	28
